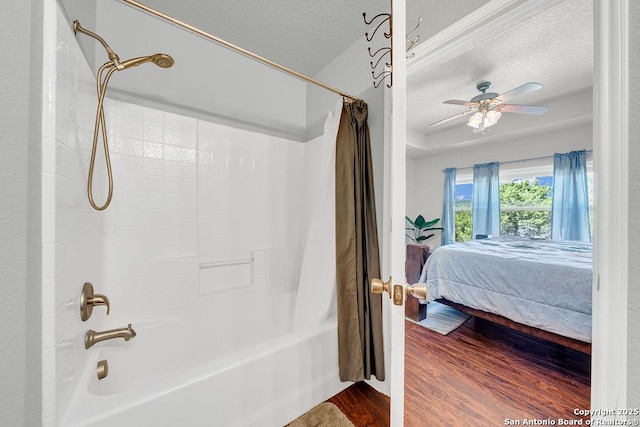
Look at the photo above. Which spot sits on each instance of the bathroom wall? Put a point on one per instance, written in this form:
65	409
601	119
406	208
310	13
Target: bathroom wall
20	129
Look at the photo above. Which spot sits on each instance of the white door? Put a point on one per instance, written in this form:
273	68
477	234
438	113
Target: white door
394	215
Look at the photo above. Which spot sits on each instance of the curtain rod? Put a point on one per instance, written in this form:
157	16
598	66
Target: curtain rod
517	161
235	48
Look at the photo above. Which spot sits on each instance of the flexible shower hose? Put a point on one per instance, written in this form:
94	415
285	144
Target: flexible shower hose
101	124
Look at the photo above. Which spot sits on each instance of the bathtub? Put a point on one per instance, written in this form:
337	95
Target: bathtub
150	383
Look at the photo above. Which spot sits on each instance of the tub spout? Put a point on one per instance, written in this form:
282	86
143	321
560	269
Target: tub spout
93	337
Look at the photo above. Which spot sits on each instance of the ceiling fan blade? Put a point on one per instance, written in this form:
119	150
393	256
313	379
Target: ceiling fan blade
459	102
524	109
521	90
455	116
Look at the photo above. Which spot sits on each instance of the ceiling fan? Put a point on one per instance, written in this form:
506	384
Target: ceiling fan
487	108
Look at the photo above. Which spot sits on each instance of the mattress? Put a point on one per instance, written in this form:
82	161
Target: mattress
545	284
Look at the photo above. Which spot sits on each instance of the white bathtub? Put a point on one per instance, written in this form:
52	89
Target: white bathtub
152	383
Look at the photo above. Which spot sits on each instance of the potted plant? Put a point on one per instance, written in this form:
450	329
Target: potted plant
417	255
420	226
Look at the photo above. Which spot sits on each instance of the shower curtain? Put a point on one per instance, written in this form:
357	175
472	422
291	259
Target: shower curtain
360	346
316	293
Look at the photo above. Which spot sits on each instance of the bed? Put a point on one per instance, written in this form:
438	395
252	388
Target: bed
541	287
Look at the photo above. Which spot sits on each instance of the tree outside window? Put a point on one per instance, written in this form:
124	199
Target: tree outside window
525	209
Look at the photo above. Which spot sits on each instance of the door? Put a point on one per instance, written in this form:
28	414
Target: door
394	212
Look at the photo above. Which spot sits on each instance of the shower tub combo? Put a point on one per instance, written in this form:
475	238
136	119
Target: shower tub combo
200	362
268	384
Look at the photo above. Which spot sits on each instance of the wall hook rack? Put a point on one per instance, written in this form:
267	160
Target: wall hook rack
384	54
412	42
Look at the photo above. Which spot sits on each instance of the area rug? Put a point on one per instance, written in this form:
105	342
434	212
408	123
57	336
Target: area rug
442	318
324	415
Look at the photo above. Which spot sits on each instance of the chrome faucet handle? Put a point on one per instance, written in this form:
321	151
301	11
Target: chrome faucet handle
88	300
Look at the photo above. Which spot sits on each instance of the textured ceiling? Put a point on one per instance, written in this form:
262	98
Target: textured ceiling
304	35
554	48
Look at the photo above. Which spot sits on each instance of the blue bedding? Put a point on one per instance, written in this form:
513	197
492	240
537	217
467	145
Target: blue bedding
541	283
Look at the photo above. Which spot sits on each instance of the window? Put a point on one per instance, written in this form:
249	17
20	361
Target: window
525	202
525	207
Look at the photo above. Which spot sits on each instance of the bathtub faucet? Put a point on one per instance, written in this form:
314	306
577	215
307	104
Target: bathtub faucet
93	337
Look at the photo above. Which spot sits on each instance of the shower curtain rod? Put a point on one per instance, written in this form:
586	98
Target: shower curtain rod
516	161
233	47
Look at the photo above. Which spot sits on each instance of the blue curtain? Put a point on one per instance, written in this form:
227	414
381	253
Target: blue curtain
448	207
485	210
570	206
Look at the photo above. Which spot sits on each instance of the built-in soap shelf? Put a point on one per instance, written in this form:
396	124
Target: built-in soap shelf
263	269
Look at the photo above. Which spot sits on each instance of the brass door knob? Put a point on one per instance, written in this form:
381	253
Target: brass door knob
395	292
398	292
418	290
378	286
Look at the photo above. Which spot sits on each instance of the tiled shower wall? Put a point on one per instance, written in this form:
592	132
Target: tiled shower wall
199	211
72	233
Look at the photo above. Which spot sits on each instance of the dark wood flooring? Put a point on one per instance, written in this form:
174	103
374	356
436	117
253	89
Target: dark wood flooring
481	374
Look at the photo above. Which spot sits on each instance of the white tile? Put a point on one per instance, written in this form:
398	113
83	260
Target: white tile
48	365
153	117
153	184
172	121
153	167
205	129
48	331
189	125
172	153
48	400
153	133
189	140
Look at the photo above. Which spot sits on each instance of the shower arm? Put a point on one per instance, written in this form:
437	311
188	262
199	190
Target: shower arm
113	57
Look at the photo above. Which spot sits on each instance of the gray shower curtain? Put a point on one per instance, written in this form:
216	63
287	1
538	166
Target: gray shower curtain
360	345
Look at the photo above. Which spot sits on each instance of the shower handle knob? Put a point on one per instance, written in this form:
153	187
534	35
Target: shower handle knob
88	300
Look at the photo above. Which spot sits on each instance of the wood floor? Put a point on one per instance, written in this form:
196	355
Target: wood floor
481	374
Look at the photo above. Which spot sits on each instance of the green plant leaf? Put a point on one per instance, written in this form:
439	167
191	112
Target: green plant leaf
409	221
432	222
419	222
421	238
426	237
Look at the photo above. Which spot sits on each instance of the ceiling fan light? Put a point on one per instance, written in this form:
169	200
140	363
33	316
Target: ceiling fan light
493	116
476	119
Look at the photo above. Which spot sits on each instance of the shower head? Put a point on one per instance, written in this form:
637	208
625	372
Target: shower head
162	60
